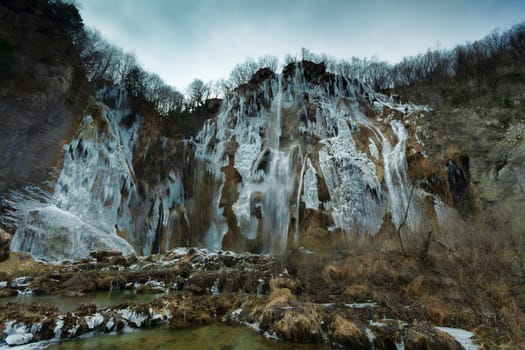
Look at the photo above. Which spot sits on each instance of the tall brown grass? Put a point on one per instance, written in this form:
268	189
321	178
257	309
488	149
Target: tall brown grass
468	273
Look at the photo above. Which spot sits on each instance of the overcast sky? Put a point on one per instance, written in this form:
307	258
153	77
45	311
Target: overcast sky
185	39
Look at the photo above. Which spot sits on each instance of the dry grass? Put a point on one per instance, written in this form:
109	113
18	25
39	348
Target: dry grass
300	325
468	274
280	298
347	333
277	283
20	264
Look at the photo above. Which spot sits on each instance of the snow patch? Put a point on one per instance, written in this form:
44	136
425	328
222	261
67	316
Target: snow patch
133	317
361	305
462	336
17	333
20	282
57	331
94	321
18	338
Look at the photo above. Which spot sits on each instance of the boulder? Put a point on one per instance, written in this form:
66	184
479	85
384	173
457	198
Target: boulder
105	255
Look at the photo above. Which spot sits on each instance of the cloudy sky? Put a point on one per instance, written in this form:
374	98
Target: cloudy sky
185	39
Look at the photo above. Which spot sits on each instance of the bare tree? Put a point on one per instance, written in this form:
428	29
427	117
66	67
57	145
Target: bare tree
268	61
242	72
123	66
289	59
404	220
135	82
225	87
198	92
378	74
516	39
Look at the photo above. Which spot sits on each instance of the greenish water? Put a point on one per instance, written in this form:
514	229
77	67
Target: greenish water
101	299
212	337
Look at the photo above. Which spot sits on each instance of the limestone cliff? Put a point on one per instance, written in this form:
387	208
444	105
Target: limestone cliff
309	158
486	129
43	92
298	158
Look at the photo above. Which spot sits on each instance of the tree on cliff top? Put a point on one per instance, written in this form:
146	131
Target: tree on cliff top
198	92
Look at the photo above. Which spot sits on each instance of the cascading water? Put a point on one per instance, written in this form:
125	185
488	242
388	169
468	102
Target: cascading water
288	138
96	202
85	209
290	159
396	178
206	215
263	206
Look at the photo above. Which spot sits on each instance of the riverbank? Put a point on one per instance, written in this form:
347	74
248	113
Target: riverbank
289	298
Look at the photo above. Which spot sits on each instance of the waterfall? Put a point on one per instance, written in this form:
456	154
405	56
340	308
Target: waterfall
302	178
277	187
95	203
264	196
399	186
310	197
324	126
292	158
88	205
277	183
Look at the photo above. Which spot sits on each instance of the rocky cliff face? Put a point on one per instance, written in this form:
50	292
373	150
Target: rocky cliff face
121	187
493	141
42	92
5	240
298	158
487	132
307	158
301	158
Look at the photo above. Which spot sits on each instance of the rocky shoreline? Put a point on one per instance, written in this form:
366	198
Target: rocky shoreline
200	288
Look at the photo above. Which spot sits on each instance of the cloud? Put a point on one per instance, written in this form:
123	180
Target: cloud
185	39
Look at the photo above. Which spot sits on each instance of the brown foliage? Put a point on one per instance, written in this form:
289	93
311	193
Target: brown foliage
468	274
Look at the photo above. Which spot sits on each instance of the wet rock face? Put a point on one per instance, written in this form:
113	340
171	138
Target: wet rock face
312	71
491	138
122	187
5	241
488	131
316	159
42	93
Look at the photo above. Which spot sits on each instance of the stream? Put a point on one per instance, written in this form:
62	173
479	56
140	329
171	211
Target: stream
212	337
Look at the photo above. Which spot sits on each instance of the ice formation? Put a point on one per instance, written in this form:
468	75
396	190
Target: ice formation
288	135
283	150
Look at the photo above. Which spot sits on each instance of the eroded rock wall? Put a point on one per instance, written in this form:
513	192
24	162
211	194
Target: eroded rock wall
43	93
481	131
309	158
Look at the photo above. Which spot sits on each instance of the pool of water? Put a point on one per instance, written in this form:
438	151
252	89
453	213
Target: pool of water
101	299
212	337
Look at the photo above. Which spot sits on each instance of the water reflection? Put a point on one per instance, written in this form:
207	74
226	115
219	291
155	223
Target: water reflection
212	337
